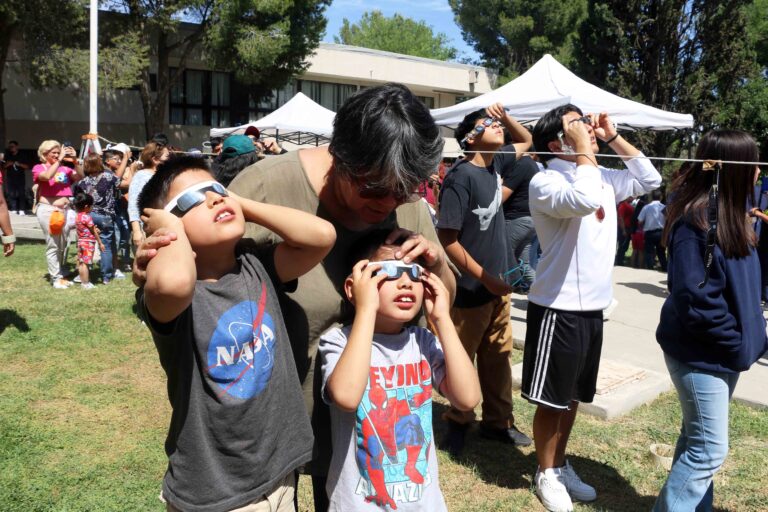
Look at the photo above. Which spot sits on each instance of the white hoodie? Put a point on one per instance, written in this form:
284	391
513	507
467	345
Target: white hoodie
578	249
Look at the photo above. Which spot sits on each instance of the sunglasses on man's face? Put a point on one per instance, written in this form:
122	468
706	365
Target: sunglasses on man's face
396	268
194	196
374	192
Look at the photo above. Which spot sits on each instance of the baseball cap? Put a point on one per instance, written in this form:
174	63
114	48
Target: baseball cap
120	146
236	145
252	130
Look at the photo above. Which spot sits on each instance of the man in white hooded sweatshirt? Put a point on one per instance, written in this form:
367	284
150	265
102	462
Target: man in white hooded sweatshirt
573	205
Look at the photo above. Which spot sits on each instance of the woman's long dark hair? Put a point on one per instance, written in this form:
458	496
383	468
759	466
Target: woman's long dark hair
690	191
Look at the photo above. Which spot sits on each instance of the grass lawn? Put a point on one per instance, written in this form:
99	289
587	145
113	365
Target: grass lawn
84	417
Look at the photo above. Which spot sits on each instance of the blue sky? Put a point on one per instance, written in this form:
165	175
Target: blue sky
435	13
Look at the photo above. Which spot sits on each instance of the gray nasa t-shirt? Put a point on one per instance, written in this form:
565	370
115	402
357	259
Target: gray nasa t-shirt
384	452
238	424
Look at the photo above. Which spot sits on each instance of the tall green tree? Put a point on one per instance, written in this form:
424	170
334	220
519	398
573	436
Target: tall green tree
264	43
680	55
511	35
397	34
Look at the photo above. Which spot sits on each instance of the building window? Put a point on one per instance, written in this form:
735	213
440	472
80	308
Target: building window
200	98
429	101
327	94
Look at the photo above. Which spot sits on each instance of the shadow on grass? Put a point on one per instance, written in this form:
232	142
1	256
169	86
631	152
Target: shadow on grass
514	468
9	317
647	289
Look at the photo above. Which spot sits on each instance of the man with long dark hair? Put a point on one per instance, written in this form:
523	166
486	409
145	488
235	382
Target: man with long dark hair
573	205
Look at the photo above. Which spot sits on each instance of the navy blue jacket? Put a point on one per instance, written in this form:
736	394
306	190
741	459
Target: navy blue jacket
719	327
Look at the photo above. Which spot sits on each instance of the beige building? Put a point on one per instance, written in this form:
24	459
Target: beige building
206	98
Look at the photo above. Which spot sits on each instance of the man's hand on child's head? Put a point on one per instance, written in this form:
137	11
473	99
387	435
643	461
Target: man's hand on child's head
365	285
415	247
147	250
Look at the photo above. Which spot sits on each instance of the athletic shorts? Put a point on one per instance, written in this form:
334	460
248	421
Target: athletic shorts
562	356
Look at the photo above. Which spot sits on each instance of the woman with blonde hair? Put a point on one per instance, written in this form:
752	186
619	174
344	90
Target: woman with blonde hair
711	327
152	155
55	182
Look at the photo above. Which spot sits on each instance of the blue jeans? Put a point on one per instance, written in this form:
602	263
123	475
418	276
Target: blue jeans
520	233
703	442
122	234
106	225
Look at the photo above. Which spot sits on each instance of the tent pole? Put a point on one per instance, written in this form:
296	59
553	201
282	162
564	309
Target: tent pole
94	48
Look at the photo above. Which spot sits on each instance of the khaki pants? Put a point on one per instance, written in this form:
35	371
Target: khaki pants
279	500
486	331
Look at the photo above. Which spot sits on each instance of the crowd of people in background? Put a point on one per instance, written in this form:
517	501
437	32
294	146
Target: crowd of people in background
309	269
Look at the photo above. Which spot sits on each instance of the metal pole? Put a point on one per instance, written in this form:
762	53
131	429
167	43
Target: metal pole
94	79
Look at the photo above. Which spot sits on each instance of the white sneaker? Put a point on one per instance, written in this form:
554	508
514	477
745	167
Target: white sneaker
87	286
577	489
61	284
119	275
22	213
551	490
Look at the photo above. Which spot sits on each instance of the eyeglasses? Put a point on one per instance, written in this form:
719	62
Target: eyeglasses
583	119
193	196
396	268
375	192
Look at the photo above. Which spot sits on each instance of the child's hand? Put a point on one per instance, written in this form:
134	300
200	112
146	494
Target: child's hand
365	286
101	246
155	219
437	300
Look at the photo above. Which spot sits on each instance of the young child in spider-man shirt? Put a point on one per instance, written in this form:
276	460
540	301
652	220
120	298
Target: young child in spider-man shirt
378	374
87	238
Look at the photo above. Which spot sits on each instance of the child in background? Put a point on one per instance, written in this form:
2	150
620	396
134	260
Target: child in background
239	427
87	238
378	374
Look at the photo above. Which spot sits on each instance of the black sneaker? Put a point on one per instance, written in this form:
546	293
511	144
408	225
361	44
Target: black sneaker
505	435
453	442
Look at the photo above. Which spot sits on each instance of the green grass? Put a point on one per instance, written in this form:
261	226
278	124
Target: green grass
84	414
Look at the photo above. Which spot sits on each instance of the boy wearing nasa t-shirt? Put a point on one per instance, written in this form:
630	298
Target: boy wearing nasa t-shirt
378	375
239	428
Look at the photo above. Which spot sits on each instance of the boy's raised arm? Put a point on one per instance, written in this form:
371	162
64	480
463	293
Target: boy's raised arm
307	239
460	385
346	384
171	274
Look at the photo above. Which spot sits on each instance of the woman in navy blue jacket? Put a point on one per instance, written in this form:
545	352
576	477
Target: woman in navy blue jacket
711	325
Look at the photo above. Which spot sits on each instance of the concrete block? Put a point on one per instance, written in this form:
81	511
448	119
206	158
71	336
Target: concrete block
621	388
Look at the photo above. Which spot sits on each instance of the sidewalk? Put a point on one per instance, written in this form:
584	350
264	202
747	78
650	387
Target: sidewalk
630	333
26	227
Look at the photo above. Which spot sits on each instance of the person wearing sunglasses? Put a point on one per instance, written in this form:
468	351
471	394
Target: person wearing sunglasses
211	303
384	143
383	370
471	229
573	206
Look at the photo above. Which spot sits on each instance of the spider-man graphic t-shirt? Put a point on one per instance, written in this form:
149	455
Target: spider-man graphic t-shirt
384	452
239	424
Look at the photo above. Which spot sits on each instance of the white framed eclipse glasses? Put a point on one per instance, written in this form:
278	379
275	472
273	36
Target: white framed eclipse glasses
395	268
477	130
193	196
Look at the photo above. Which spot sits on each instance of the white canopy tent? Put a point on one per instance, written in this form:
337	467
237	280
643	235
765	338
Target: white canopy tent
299	114
548	84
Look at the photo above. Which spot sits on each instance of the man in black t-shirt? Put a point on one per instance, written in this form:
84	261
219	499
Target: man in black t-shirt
518	221
471	228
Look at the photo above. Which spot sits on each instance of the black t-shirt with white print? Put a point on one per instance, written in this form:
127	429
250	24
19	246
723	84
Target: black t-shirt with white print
470	202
